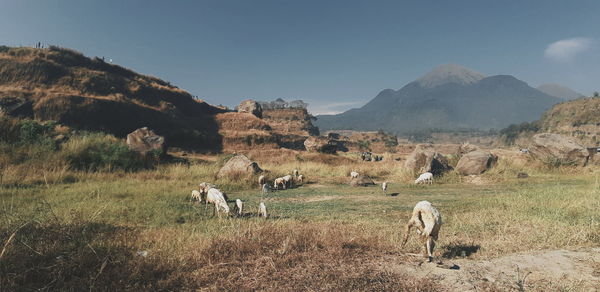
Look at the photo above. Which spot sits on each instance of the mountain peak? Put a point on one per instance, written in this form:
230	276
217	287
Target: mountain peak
449	73
559	91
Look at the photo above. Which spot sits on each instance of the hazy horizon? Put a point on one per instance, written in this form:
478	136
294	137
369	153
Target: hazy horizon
335	55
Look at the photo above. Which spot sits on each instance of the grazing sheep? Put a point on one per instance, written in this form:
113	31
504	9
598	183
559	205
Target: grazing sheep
279	182
289	180
354	174
427	219
239	207
266	188
425	178
216	197
300	178
384	186
195	196
295	173
262	210
261	180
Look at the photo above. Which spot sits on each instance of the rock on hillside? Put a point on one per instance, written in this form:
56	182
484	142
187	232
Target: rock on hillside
292	125
239	166
475	162
144	141
425	159
88	93
556	149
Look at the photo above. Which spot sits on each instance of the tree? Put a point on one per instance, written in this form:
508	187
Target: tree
596	94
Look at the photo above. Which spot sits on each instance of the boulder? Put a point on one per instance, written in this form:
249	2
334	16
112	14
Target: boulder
424	159
320	144
239	166
250	106
476	162
144	141
466	148
361	181
555	149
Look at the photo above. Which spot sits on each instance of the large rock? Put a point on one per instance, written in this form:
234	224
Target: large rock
239	166
557	150
250	106
424	159
476	162
320	144
145	141
361	181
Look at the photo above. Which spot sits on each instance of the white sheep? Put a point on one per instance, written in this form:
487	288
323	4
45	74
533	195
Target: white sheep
262	210
300	178
195	196
295	173
279	182
384	186
289	180
354	174
428	221
425	178
216	197
261	180
239	207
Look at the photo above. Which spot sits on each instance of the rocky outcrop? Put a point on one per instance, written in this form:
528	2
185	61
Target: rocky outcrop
320	144
145	141
250	106
239	166
361	181
555	149
476	162
424	159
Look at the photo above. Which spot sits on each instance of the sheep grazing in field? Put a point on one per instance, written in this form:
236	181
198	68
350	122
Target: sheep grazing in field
279	182
354	174
239	207
428	221
289	180
216	197
261	180
300	178
425	178
262	210
295	173
195	196
384	186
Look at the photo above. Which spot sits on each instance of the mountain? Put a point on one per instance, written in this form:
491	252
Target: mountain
449	97
559	91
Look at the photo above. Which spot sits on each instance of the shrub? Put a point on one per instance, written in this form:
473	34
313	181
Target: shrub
100	151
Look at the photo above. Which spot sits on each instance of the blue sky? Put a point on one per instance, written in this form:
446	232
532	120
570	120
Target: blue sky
333	54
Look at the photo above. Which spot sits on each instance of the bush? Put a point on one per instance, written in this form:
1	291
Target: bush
100	151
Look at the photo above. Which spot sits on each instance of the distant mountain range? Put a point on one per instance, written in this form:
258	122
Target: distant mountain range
559	91
449	97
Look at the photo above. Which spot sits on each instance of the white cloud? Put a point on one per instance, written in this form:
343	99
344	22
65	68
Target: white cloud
565	50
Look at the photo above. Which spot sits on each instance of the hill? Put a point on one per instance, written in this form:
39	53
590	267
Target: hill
89	94
449	97
576	118
559	91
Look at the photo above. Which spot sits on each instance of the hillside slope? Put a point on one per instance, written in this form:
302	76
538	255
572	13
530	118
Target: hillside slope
578	118
559	91
449	97
63	85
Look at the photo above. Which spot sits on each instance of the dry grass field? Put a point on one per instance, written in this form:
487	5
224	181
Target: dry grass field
74	230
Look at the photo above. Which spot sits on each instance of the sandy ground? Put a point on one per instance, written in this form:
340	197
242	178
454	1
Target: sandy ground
550	270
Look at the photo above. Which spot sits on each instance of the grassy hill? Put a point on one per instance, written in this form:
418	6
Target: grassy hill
87	93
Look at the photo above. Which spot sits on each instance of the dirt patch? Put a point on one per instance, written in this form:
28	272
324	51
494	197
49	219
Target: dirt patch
537	271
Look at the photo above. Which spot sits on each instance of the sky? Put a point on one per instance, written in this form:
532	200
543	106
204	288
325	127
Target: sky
335	55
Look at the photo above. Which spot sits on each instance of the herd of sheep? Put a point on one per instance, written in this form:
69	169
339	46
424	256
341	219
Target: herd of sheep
425	217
